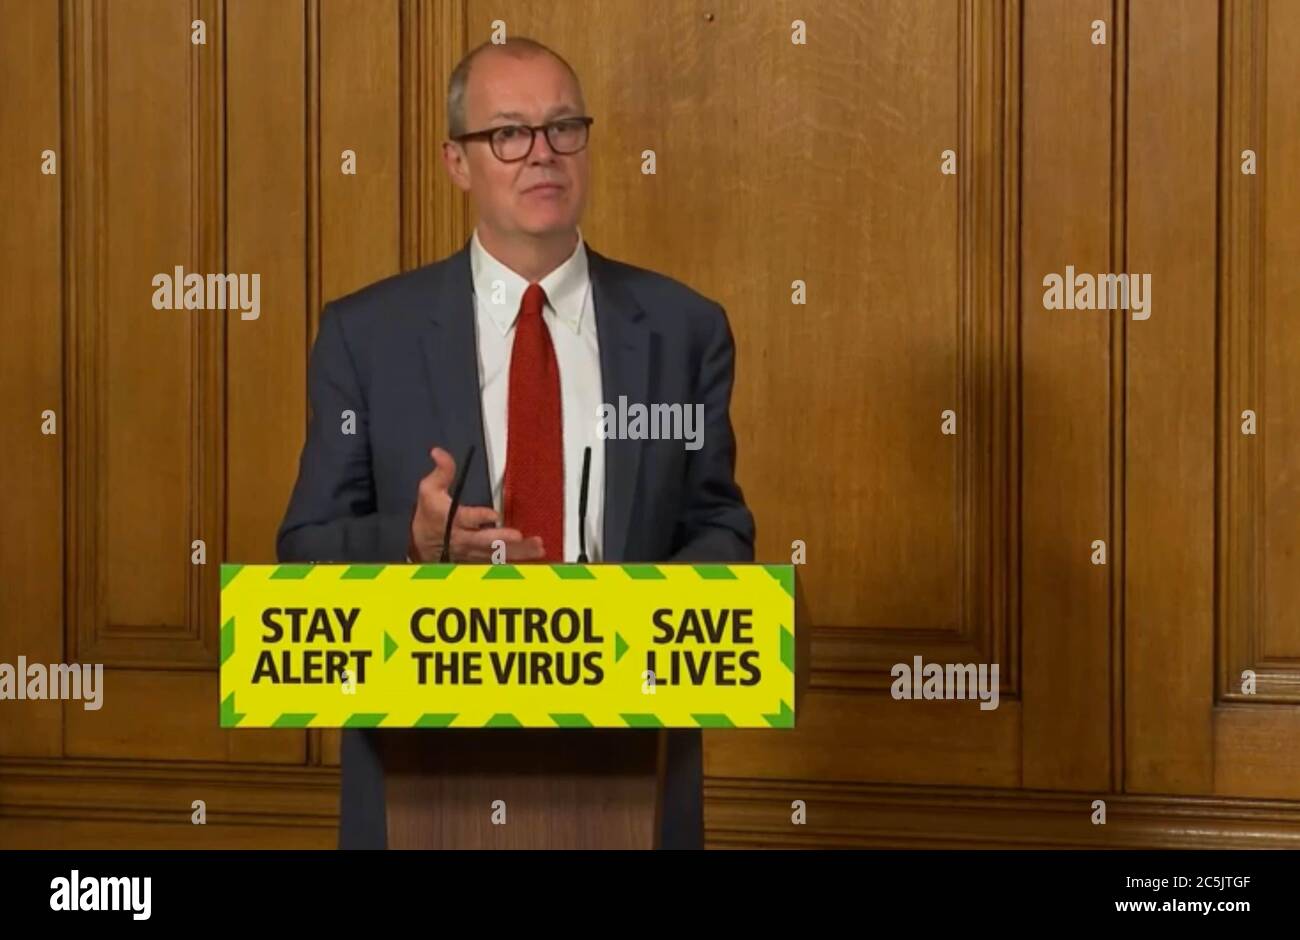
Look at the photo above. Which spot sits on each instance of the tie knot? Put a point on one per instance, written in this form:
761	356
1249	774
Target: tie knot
534	300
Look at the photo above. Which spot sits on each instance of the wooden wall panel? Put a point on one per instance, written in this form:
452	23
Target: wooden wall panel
144	385
1212	543
1257	736
909	552
435	214
79	830
986	544
31	294
846	737
1066	405
754	138
266	213
360	109
1169	598
148	385
1257	751
1259	629
159	714
141	365
757	815
1279	634
267	218
76	804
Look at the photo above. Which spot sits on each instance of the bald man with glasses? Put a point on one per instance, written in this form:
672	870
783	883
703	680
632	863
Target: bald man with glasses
511	346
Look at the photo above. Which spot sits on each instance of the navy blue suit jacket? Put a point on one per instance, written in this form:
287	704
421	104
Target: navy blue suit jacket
401	354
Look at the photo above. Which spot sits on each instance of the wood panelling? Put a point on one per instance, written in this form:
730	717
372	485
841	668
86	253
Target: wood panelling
797	163
986	537
1169	652
159	714
911	551
1257	751
84	830
1116	544
1259	496
144	385
31	365
265	363
139	804
847	736
1066	406
1212	529
435	214
360	110
1257	737
266	213
1277	641
775	163
746	814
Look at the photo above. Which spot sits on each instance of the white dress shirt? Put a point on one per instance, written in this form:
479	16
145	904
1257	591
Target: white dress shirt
570	317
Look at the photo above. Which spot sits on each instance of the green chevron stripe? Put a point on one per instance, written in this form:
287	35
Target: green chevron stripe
502	573
787	648
291	572
783	574
570	721
432	572
228	573
227	640
364	720
229	717
782	719
390	646
432	720
620	646
573	572
503	720
715	572
713	721
644	573
642	720
362	572
293	720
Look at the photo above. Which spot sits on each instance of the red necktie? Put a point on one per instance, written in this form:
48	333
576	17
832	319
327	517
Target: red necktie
534	479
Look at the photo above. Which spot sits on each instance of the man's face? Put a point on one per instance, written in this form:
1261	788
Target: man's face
543	193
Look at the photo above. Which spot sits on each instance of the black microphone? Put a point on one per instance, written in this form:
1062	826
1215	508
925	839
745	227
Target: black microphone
582	507
457	488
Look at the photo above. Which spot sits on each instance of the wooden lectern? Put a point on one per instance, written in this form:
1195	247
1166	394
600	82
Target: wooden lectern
579	788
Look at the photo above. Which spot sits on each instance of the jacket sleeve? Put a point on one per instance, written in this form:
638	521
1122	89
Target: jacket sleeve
331	514
715	524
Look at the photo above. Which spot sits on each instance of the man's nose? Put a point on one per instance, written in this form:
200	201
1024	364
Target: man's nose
542	152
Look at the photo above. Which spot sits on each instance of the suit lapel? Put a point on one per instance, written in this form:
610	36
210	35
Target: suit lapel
624	337
451	355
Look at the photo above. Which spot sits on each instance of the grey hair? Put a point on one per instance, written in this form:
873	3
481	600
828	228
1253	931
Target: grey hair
518	46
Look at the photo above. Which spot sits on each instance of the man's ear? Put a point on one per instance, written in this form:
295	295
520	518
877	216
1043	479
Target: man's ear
454	159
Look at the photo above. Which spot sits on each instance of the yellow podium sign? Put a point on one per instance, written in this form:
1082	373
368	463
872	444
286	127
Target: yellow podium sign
518	646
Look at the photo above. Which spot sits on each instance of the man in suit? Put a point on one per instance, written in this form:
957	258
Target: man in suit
512	345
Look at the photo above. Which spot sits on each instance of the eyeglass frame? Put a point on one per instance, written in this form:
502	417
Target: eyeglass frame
532	129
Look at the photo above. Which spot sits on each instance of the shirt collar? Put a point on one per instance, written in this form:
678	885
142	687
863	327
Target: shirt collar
500	290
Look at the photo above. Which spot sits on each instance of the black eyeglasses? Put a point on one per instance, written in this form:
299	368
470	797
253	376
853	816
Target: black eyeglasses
514	142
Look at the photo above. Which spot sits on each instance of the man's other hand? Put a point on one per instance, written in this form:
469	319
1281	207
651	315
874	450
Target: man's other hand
472	532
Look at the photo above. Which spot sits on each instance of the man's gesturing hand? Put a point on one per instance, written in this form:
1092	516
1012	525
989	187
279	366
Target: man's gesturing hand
474	529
